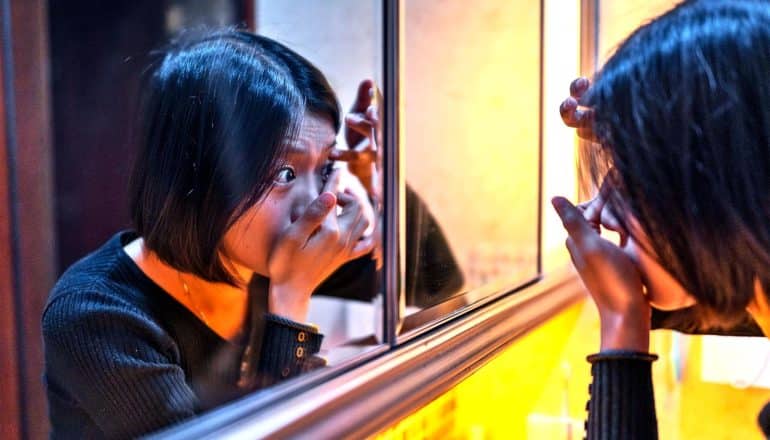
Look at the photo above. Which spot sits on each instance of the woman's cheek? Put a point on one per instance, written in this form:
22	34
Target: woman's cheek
260	231
663	291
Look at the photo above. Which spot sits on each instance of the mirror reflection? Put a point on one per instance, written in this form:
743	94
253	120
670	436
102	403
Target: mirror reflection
471	123
230	237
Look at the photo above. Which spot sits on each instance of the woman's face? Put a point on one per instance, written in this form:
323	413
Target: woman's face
663	291
248	243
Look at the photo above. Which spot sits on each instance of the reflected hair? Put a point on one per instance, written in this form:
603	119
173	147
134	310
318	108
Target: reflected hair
682	112
217	111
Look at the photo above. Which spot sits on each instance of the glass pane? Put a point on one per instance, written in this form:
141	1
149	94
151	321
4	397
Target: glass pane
344	40
210	275
471	122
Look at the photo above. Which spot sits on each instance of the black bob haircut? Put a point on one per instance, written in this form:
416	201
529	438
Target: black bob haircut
682	111
218	109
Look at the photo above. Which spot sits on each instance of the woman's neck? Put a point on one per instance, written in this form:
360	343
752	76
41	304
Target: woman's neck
220	306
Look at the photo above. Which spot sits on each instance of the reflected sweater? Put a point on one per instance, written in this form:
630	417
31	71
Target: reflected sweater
124	358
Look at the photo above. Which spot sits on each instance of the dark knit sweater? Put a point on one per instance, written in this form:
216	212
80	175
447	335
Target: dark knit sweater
622	403
124	358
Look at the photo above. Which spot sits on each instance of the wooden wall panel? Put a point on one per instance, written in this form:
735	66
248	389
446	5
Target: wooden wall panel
10	414
34	227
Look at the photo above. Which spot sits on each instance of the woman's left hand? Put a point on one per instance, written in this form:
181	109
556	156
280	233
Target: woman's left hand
363	135
611	278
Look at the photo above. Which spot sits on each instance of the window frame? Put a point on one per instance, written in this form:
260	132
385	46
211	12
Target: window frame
365	394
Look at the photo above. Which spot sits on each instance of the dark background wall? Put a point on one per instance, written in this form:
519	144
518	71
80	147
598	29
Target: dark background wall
98	52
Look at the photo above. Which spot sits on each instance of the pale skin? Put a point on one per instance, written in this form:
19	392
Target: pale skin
294	236
623	279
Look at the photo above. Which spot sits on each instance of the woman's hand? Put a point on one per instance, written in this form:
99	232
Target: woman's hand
612	279
574	115
363	134
313	247
598	215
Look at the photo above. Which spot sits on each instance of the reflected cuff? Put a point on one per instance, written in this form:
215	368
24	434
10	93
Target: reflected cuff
289	348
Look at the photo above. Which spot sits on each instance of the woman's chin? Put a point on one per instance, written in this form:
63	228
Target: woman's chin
670	304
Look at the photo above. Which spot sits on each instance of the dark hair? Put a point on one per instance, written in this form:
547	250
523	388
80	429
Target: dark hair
218	110
683	113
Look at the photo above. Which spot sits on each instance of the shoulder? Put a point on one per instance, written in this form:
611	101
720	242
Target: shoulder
98	298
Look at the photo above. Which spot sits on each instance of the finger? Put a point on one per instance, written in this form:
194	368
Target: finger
332	184
345	198
595	224
578	87
610	222
351	211
362	247
593	209
357	231
572	219
574	254
363	96
344	155
373	114
315	214
360	123
575	117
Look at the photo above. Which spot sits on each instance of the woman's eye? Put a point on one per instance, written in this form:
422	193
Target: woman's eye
327	171
285	175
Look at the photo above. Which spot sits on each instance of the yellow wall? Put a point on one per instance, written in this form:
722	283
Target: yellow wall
537	389
617	19
471	128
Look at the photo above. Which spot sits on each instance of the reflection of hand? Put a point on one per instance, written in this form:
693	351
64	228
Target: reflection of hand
363	134
313	247
611	278
576	116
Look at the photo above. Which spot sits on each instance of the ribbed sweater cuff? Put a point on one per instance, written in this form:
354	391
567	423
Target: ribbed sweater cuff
622	403
288	349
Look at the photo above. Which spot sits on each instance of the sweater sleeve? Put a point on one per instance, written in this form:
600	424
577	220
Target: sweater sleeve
117	364
622	403
288	349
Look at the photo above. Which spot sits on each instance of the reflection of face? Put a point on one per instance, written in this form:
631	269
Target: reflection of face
663	291
298	182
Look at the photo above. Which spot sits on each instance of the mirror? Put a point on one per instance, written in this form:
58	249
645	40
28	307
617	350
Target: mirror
186	353
344	40
471	136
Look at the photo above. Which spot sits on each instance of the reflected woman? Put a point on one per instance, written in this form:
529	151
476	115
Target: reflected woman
238	217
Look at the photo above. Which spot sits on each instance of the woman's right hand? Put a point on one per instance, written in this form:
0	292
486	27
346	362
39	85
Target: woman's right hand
611	278
575	116
313	247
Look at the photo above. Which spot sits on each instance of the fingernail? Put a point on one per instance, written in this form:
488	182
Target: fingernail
327	199
558	203
582	82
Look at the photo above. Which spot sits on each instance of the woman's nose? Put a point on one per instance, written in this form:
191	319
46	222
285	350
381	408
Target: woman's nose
306	193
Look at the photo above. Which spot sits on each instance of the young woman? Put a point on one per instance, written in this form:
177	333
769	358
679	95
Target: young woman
682	119
234	202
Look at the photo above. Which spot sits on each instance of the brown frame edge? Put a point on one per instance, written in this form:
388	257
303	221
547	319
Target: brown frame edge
370	398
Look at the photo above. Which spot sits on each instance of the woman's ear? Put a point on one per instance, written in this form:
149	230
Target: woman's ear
759	308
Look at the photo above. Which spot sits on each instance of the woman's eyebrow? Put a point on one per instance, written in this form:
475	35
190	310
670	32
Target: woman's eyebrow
298	149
